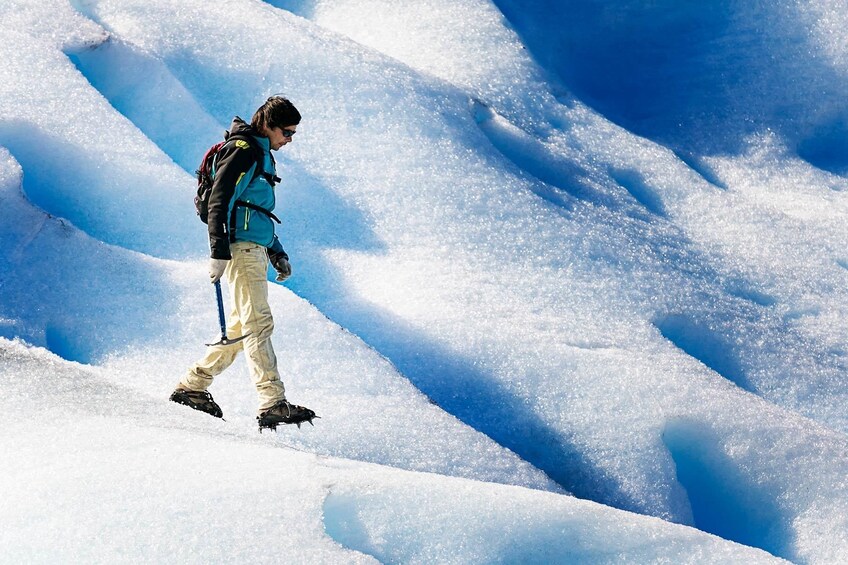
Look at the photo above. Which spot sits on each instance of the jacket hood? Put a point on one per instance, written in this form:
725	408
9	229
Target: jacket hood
239	126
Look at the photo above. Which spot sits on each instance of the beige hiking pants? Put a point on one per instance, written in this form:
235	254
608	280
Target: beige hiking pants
247	276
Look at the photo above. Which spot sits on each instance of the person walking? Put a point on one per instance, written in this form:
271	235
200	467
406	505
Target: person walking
243	243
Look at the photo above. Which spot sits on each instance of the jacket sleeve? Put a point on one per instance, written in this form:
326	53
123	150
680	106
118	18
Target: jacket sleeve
233	170
276	248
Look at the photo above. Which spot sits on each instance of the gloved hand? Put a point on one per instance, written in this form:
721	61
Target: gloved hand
216	269
280	262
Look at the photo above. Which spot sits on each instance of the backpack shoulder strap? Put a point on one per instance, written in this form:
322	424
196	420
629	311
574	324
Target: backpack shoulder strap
259	154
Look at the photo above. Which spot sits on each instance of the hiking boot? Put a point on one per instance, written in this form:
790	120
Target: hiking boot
284	413
199	400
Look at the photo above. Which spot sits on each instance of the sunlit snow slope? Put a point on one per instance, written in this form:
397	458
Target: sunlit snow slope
588	248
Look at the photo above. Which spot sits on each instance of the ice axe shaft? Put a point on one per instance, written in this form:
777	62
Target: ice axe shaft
222	321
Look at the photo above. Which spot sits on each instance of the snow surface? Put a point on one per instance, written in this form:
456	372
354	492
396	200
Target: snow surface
570	282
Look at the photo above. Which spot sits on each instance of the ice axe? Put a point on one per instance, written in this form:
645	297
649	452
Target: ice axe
224	339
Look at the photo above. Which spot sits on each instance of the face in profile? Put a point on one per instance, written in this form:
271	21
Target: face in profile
279	136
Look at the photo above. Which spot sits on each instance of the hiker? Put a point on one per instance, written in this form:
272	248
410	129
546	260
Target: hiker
242	242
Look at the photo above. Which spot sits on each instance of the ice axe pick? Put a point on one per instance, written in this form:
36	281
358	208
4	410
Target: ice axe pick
224	339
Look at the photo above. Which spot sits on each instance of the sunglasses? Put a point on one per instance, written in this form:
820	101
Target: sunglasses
288	132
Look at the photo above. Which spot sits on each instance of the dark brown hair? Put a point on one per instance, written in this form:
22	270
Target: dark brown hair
276	112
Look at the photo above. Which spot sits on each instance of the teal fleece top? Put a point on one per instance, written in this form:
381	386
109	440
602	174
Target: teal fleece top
234	179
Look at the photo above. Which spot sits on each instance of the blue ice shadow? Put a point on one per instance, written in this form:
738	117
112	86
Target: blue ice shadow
71	294
461	388
826	146
375	524
724	501
710	348
71	181
634	182
697	77
742	290
167	114
563	179
645	66
303	8
314	216
342	522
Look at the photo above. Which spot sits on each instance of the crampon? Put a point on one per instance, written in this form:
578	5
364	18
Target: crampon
284	413
199	400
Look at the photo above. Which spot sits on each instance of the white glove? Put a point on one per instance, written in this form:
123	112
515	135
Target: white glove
216	269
